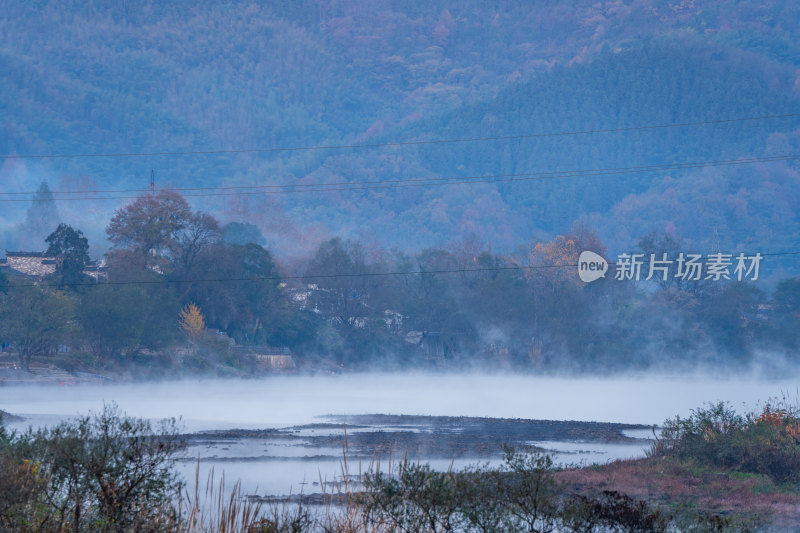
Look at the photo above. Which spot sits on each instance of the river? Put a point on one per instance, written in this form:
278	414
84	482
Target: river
300	443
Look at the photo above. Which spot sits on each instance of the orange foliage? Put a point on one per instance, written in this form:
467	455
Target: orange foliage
554	257
780	420
191	321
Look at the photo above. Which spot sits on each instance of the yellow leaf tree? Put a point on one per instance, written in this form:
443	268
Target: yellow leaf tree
553	259
191	321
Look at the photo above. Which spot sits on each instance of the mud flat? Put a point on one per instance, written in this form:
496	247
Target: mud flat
427	437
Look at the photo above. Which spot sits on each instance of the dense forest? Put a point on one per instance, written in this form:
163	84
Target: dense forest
185	293
87	78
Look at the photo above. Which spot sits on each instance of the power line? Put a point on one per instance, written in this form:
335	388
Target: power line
665	166
403	143
423	182
527	176
333	276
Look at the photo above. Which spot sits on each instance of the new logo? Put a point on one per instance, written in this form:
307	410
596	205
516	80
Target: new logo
591	266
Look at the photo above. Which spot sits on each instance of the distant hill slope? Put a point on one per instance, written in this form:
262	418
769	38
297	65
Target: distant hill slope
660	82
85	77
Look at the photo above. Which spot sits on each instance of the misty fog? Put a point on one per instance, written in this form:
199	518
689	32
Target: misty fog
293	400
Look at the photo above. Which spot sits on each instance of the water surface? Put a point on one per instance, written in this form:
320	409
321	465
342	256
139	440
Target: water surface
286	401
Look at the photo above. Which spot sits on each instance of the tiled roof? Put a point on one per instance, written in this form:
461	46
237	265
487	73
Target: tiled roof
30	264
27	254
39	264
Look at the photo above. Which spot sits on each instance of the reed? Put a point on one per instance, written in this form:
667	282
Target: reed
219	510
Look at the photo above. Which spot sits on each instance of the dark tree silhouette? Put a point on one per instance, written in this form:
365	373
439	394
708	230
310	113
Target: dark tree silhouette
71	251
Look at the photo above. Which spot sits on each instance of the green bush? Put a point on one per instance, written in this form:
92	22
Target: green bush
766	443
520	495
613	511
103	472
22	486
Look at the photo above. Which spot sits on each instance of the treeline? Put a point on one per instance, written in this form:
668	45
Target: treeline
164	256
358	306
468	306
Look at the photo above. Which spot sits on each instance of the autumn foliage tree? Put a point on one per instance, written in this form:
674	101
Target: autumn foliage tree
150	223
549	262
191	321
161	232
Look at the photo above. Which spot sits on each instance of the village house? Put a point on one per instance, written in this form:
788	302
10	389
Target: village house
267	358
37	265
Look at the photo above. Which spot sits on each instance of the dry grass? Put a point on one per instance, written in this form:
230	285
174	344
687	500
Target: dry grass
668	481
342	512
217	510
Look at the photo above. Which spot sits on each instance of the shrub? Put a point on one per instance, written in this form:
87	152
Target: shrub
22	486
708	435
521	495
102	472
528	491
764	443
613	511
416	499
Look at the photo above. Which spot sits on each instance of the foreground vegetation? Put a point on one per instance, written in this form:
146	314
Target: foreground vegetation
765	443
107	472
102	472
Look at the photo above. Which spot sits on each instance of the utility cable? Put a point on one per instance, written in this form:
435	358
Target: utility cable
308	277
402	143
423	182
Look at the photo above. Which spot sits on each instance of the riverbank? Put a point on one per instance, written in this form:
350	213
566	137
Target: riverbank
40	374
686	486
524	487
666	484
635	489
8	417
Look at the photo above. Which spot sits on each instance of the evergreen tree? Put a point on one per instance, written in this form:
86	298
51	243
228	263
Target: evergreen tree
42	216
71	251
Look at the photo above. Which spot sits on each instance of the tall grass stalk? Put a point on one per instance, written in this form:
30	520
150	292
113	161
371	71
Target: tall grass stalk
217	510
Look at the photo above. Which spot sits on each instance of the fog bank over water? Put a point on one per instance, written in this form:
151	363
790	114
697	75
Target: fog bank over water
291	400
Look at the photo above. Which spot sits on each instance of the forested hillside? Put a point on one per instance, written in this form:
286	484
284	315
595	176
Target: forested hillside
659	82
89	78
